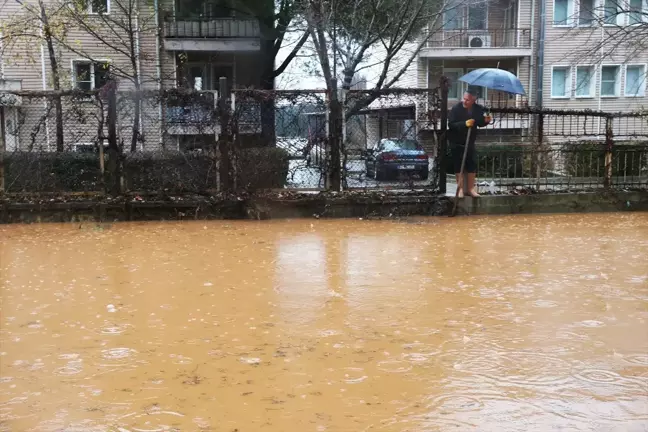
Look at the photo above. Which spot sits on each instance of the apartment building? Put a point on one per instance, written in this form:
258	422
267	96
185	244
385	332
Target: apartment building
567	53
177	43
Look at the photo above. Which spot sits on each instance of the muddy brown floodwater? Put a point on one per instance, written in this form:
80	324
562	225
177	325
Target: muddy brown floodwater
467	324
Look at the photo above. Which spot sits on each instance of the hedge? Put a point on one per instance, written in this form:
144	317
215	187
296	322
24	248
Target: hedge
168	172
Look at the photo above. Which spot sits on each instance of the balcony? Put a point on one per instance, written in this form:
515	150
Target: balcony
211	34
487	43
196	114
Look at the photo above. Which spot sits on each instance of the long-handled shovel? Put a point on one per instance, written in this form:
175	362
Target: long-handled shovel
461	175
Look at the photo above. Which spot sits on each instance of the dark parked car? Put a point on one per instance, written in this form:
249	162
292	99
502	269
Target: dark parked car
394	156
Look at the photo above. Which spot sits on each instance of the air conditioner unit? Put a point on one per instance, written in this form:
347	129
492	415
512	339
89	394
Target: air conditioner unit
479	41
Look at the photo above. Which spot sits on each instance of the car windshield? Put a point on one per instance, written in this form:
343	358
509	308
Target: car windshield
400	145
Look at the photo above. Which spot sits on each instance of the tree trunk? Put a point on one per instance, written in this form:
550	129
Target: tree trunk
335	140
137	112
56	79
3	148
267	104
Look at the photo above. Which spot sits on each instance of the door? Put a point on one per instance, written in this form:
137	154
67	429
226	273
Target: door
223	70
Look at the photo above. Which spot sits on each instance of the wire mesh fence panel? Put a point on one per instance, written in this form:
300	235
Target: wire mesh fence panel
391	140
33	131
281	136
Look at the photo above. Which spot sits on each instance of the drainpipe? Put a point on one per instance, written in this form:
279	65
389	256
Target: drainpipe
44	75
532	38
2	75
602	54
541	41
138	65
158	68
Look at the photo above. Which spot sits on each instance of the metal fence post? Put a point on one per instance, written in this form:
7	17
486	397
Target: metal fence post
225	136
114	157
609	145
539	148
334	139
3	148
443	137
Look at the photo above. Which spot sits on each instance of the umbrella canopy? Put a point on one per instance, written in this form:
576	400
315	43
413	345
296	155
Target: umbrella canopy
495	79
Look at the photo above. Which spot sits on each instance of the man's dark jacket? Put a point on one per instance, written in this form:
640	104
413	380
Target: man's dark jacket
457	123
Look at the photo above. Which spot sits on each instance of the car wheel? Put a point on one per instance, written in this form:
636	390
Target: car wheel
368	170
379	174
424	173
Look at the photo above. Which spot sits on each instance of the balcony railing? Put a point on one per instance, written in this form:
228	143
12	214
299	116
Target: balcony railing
197	113
209	28
479	39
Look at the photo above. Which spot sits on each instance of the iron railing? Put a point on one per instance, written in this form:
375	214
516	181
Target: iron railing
210	28
481	39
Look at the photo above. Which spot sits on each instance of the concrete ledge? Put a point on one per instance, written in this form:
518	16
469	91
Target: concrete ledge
591	202
271	206
282	205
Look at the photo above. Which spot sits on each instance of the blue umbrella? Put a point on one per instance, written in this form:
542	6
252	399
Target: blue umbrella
494	79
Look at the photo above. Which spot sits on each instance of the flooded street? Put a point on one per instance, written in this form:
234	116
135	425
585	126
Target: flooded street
518	323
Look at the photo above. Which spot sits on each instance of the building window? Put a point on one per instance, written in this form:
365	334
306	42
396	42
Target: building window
560	78
90	75
477	16
454	92
96	6
586	12
563	11
635	80
636	15
585	81
452	16
610	81
610	12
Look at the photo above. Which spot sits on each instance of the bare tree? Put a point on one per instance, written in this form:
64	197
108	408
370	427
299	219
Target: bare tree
79	27
119	31
351	36
41	24
348	36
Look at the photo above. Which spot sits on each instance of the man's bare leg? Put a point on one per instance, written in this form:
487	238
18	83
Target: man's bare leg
460	185
471	185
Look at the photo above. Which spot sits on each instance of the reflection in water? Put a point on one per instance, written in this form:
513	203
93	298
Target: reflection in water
472	324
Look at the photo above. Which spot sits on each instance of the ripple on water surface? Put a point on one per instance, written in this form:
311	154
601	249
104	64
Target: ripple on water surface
487	324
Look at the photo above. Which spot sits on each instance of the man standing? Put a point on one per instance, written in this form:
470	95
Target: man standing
464	116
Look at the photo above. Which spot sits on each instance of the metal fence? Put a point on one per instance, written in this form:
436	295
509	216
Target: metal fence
231	142
540	150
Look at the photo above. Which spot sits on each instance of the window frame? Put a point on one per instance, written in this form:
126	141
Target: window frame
460	88
568	78
619	13
91	12
617	86
486	7
642	93
594	13
457	7
643	13
92	64
569	22
592	85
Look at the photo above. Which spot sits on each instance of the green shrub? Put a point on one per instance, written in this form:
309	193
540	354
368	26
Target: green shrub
262	168
169	171
51	172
